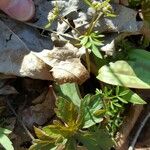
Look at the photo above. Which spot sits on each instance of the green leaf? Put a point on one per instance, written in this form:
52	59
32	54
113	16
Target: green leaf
88	45
117	90
43	145
88	2
97	42
51	133
42	135
5	131
99	140
96	52
90	105
122	100
124	92
84	40
133	73
71	144
133	98
64	131
5	142
69	91
66	111
118	105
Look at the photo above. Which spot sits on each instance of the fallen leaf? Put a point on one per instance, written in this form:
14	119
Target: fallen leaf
65	63
40	112
16	58
7	89
27	58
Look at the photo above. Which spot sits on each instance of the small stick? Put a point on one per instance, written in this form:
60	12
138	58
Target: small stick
131	147
21	122
129	122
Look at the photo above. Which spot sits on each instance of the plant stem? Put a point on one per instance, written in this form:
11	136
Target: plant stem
87	60
94	21
63	19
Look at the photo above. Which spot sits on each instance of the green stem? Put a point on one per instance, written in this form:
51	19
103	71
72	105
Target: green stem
94	21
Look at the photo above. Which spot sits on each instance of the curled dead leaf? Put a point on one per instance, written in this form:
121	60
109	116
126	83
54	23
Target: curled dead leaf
65	63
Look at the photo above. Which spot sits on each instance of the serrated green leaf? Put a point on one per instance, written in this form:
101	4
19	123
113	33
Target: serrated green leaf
133	73
66	111
5	142
64	131
51	133
42	135
99	140
90	105
43	145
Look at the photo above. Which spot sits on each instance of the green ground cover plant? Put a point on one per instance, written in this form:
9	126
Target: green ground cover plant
92	121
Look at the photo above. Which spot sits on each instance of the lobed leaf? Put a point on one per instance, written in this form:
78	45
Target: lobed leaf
66	111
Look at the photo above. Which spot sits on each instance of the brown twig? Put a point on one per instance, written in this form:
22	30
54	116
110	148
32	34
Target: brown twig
129	122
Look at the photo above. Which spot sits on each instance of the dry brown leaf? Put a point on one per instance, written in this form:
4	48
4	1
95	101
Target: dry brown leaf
41	112
65	63
16	58
7	89
59	64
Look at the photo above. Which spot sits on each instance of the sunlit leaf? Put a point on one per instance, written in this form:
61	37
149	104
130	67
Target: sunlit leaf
84	40
69	91
5	131
133	98
66	111
43	145
42	135
133	73
5	142
122	100
96	51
